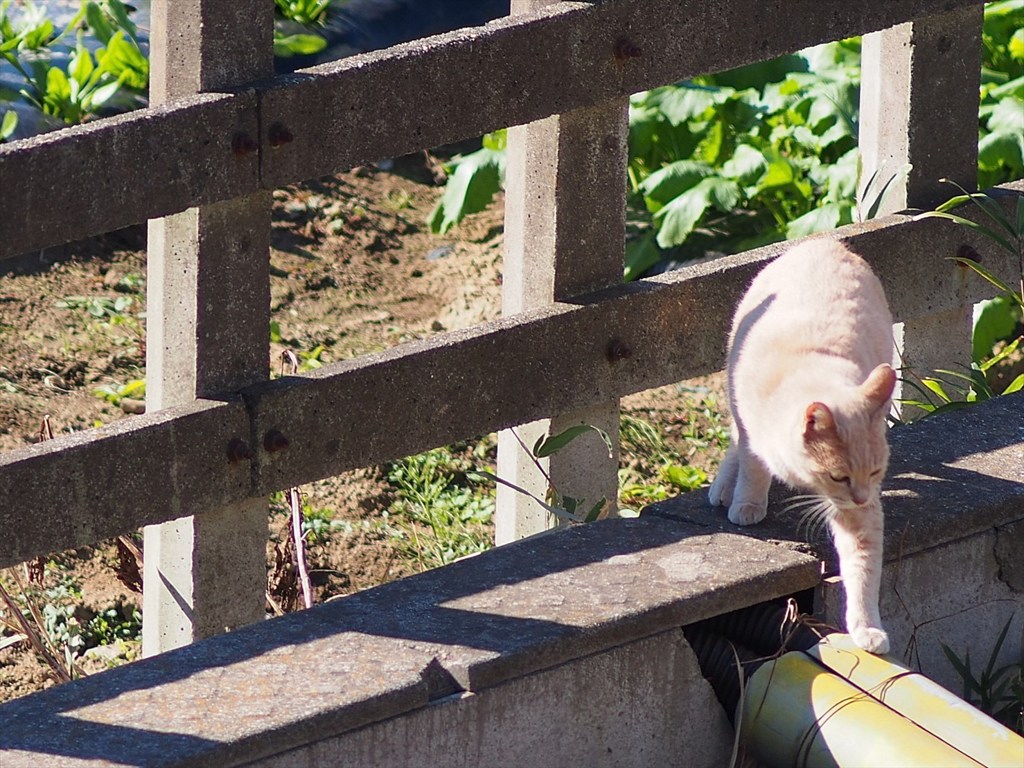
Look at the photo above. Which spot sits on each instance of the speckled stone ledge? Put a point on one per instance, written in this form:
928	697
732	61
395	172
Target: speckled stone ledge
480	622
950	476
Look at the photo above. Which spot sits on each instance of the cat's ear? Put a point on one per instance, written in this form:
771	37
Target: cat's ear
879	385
818	421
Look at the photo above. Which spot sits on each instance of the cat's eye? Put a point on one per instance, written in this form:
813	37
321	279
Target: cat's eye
876	473
842	479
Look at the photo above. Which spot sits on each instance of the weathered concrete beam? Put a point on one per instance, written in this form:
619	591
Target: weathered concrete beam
522	68
498	618
111	173
674	326
387	103
82	488
453	386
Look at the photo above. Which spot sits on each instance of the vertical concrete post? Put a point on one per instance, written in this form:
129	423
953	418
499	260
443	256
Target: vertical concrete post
919	105
207	328
564	236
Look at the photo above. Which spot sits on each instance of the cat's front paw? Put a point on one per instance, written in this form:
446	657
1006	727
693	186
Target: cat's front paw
747	513
871	639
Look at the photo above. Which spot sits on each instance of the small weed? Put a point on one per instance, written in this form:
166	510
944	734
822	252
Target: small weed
996	691
656	470
110	315
318	523
397	200
442	513
46	610
116	394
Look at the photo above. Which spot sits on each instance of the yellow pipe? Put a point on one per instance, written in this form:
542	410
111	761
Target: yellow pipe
838	706
924	701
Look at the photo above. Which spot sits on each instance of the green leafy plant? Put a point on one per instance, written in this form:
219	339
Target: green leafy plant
658	471
112	315
1001	115
8	125
306	13
116	394
998	334
996	691
727	162
90	79
567	509
473	180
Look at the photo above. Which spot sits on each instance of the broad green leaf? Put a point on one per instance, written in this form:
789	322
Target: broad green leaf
104	93
81	66
477	178
1008	115
641	255
1015	386
822	219
298	45
670	182
747	165
936	387
994	320
680	216
496	141
1001	148
120	13
547	445
98	22
779	173
9	124
690	102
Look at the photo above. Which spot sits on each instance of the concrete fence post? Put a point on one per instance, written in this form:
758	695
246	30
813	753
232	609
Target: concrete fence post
207	329
565	203
919	105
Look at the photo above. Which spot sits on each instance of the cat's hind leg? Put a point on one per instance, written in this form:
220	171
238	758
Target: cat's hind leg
720	493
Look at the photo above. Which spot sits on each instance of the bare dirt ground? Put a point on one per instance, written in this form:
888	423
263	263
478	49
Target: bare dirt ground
354	270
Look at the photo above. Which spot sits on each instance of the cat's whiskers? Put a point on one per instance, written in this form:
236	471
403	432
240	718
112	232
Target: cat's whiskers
815	511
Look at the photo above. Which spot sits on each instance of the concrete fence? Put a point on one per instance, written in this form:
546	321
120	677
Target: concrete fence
219	436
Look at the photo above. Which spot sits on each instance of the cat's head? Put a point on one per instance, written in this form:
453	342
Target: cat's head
845	444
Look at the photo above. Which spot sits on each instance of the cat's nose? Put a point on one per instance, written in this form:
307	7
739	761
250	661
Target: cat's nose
860	499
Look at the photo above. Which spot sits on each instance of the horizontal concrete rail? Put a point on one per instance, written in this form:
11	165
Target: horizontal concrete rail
450	387
505	615
112	173
119	171
100	483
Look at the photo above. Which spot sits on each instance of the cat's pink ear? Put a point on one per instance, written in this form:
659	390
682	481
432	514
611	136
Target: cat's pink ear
818	421
879	385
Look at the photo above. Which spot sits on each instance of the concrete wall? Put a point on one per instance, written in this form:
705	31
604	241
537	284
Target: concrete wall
642	704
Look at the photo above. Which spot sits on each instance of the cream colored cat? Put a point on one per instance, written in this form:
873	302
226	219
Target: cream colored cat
810	387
